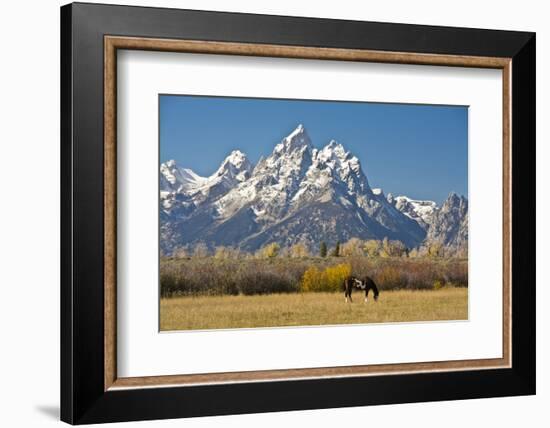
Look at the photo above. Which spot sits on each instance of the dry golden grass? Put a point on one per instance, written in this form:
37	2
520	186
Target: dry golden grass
276	310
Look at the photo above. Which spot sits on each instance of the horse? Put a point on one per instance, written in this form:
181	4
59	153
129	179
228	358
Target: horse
366	284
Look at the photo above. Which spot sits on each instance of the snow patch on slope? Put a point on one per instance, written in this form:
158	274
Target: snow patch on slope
418	210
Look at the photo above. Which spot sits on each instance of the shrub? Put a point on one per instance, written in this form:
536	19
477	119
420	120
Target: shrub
168	282
390	277
269	251
329	279
257	282
334	276
438	284
435	250
245	275
311	279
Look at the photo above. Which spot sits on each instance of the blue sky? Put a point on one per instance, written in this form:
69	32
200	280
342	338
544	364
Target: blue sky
416	150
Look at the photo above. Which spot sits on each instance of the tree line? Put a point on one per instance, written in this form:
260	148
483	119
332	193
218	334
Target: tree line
353	247
248	276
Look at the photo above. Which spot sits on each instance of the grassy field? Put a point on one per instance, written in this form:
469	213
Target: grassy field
301	309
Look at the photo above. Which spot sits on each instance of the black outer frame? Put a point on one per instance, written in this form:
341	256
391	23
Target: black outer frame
83	399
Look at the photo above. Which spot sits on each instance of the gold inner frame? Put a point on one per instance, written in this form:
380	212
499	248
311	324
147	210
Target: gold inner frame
113	43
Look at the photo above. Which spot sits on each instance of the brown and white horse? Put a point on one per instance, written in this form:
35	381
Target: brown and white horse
366	284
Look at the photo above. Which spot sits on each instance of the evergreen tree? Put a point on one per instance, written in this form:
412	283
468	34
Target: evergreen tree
323	249
336	251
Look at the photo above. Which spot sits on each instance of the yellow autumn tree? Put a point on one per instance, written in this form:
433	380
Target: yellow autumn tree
435	250
298	250
222	252
329	279
200	250
180	253
372	247
354	247
269	251
334	276
310	279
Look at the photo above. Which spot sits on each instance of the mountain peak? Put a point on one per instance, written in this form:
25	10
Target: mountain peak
235	165
422	211
449	225
296	140
333	150
455	202
333	144
236	158
299	131
174	177
335	156
454	199
297	193
334	147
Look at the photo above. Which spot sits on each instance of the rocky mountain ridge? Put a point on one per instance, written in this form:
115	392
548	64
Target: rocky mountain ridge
298	193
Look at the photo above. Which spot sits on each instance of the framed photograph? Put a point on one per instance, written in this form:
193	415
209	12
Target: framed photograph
266	213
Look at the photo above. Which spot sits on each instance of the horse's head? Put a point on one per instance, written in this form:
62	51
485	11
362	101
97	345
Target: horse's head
374	289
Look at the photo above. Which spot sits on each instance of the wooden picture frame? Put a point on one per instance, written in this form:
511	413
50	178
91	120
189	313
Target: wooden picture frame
91	390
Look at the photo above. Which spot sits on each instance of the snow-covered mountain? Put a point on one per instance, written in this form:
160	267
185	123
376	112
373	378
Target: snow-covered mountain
449	225
420	211
296	194
183	188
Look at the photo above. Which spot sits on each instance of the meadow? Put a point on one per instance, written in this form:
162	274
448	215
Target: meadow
309	309
210	292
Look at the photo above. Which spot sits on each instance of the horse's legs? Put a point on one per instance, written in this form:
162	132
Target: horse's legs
346	290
